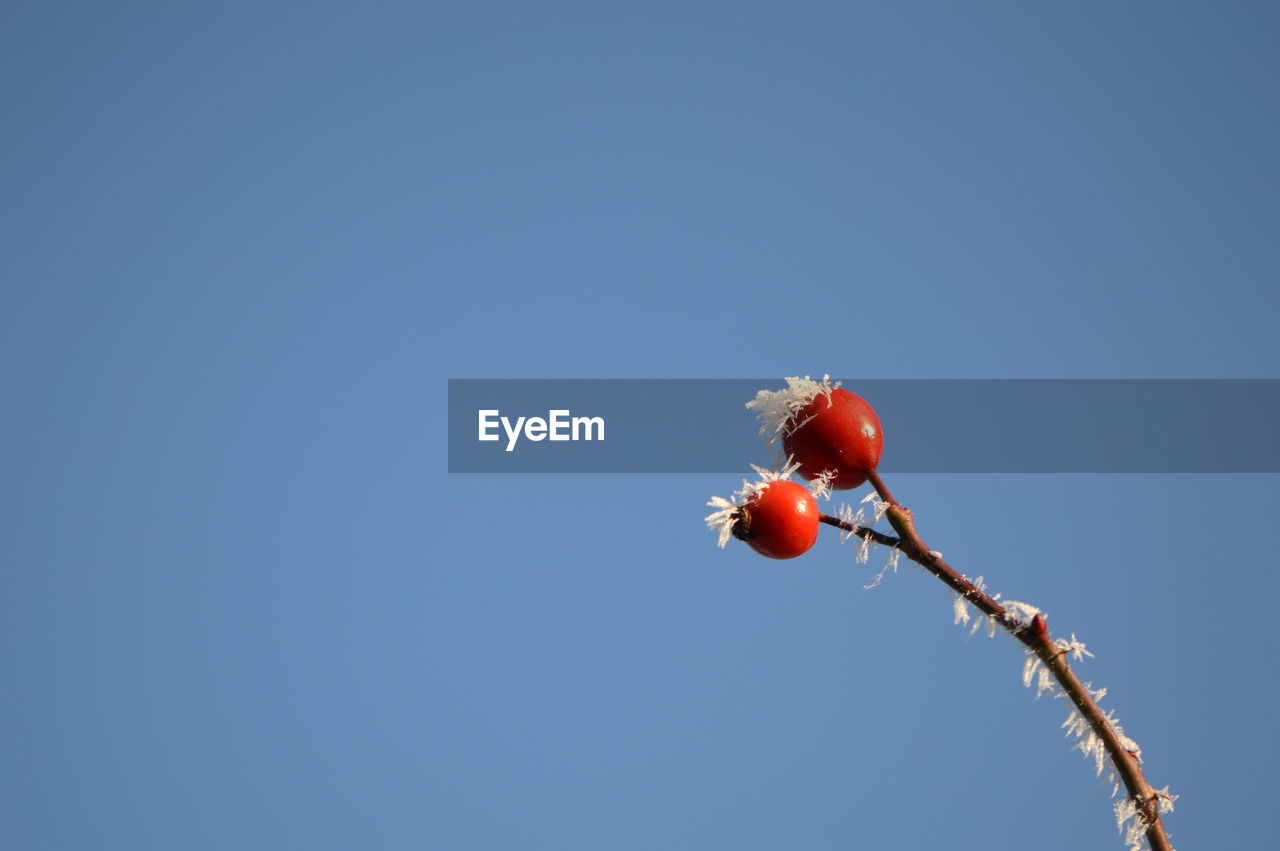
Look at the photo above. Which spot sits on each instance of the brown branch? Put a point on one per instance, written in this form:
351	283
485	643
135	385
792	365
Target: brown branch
1035	635
864	532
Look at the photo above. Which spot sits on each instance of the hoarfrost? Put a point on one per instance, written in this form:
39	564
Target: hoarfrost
1019	612
1075	648
891	563
775	408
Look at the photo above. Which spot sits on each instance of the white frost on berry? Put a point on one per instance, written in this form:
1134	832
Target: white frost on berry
725	515
721	520
776	409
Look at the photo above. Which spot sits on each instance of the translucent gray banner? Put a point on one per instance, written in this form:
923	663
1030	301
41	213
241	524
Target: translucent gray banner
930	425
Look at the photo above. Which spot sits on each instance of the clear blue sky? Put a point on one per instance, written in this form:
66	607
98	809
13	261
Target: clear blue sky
245	245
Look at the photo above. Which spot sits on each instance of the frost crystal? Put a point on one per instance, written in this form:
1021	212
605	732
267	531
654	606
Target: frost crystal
1020	613
721	520
979	619
852	518
776	408
1075	649
891	563
1127	810
1044	682
1132	823
821	486
1034	668
1075	724
880	505
1090	744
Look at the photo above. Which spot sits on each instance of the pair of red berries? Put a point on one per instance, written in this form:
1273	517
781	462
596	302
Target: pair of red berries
833	434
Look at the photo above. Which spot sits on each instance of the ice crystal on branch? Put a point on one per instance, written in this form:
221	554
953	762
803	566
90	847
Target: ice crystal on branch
1075	649
979	619
1020	613
851	519
891	563
1090	744
1132	823
879	504
1126	811
1034	668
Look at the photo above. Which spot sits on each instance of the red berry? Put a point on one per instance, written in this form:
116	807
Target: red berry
836	431
780	520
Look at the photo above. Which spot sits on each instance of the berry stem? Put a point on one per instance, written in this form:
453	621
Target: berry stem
1035	635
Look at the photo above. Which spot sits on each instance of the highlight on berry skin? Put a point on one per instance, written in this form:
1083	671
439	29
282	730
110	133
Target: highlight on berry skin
775	516
827	430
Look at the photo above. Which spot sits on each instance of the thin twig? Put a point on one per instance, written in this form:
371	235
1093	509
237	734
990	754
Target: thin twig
1035	635
864	532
